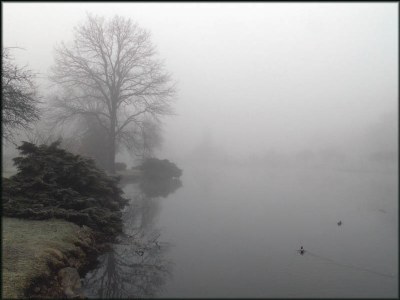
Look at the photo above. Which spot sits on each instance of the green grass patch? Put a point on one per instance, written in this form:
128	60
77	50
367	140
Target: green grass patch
32	248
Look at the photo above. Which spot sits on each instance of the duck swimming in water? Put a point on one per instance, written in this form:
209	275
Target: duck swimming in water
301	251
339	223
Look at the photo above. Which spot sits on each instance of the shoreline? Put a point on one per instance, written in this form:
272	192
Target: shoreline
35	251
46	258
75	252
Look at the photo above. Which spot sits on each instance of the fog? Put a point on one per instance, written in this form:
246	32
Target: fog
263	88
252	77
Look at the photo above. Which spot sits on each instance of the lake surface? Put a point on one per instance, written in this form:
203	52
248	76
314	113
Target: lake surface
234	232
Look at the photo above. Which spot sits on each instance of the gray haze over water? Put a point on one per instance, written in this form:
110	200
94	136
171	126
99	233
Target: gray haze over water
235	231
252	77
286	122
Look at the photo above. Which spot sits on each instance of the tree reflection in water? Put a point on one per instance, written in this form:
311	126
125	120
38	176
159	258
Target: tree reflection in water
136	267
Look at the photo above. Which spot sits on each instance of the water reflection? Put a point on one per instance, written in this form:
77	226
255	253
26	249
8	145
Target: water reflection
160	188
137	265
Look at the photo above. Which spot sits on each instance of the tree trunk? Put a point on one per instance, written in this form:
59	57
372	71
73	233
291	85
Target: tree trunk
111	157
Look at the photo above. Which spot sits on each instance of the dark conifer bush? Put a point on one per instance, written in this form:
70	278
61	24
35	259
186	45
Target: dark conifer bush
154	168
54	183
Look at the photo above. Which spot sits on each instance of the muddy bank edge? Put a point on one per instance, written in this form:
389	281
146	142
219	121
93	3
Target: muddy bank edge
43	258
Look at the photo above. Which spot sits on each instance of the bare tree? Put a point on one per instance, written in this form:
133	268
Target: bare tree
19	97
147	138
111	73
43	133
92	141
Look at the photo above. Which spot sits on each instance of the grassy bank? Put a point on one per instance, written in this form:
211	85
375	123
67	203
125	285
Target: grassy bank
33	251
7	173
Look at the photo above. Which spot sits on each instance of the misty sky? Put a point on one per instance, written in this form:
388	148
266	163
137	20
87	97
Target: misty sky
253	76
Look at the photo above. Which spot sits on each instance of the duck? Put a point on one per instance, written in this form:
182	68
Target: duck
339	223
301	251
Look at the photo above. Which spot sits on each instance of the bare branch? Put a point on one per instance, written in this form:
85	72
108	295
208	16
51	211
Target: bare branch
112	63
19	97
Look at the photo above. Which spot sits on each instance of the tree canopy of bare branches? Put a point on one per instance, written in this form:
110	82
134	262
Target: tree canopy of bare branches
110	72
19	97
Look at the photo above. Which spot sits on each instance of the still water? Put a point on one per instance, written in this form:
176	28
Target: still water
235	231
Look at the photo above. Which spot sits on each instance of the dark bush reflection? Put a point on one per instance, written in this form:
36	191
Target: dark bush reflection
160	187
137	266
